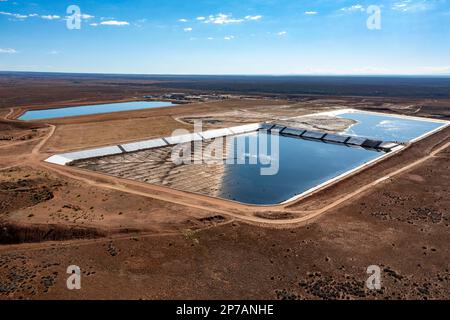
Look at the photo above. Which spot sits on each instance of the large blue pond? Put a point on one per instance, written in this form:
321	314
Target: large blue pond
302	165
92	109
388	128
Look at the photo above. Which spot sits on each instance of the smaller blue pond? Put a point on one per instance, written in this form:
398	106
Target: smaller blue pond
388	128
92	109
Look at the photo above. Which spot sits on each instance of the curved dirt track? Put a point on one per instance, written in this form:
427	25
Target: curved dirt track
11	111
18	143
26	247
230	209
36	150
307	215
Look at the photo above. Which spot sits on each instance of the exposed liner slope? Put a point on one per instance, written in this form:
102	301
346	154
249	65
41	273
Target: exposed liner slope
66	158
142	145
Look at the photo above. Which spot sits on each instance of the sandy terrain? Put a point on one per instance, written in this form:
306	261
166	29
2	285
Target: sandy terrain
155	243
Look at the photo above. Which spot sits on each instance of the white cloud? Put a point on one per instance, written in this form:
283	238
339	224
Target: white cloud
310	13
399	6
210	38
82	16
86	16
18	16
51	17
8	50
229	38
253	18
282	33
114	23
412	6
14	15
200	18
187	29
54	52
222	19
94	24
353	8
182	20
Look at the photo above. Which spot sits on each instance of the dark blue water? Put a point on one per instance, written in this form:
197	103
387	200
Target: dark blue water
302	165
387	128
92	109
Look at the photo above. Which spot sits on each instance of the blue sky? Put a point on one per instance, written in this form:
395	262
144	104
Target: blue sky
227	37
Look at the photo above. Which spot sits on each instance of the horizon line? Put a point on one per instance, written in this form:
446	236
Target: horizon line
238	74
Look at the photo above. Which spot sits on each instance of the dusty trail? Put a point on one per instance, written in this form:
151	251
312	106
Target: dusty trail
230	209
27	247
291	222
361	190
11	111
238	210
169	197
17	143
9	167
35	154
233	210
36	150
307	215
209	204
6	117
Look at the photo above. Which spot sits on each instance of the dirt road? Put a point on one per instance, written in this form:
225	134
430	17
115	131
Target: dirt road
234	210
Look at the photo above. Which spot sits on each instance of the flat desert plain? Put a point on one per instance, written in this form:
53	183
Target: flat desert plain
140	241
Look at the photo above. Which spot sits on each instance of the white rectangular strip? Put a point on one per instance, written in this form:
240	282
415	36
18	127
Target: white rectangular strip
210	134
92	153
57	159
142	145
245	128
183	138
